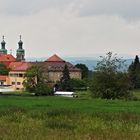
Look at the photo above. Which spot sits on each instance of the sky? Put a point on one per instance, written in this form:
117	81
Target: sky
71	27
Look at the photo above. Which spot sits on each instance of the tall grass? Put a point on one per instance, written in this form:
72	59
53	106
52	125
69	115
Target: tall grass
68	119
19	123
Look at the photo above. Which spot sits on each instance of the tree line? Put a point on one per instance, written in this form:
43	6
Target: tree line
109	80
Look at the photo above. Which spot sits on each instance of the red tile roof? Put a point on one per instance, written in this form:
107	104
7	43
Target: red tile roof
55	58
7	58
55	63
3	78
19	66
59	66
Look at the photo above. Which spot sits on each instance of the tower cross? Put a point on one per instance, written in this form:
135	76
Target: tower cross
20	37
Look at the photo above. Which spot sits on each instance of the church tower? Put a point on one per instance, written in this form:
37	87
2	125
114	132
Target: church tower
20	51
3	50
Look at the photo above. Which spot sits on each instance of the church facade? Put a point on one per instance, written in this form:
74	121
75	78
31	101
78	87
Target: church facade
18	67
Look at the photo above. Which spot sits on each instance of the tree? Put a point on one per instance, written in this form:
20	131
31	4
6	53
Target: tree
109	82
3	69
134	73
136	62
78	84
36	80
64	83
42	89
84	70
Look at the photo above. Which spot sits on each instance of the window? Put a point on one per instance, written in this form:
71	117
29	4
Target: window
18	83
14	75
20	75
13	83
1	83
11	75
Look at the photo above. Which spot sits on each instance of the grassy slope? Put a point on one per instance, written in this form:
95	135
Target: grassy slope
57	118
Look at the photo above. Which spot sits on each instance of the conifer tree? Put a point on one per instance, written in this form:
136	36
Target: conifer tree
134	73
66	76
136	62
64	83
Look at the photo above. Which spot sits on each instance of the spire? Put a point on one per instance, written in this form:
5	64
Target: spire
3	50
20	51
3	43
20	43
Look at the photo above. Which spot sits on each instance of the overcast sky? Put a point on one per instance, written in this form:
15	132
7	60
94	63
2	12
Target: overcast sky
71	27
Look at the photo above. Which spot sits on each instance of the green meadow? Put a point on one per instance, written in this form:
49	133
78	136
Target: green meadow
60	118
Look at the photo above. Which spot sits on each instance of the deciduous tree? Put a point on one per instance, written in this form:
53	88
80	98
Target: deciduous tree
3	69
109	81
36	80
84	70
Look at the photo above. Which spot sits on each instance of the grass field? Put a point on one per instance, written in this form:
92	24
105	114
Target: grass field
58	118
137	93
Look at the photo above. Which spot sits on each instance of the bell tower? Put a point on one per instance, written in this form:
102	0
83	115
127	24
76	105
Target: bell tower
20	51
3	50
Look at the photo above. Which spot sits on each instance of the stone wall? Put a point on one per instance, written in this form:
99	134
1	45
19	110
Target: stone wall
56	76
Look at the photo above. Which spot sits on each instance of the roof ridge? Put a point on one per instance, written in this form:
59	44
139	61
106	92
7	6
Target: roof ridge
55	58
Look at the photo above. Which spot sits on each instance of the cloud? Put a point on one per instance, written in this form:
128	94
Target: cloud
28	7
65	33
70	27
128	9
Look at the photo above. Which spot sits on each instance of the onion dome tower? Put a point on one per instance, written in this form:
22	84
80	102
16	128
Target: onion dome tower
20	51
3	50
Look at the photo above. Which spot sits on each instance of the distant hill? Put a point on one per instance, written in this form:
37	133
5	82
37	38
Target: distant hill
32	59
90	62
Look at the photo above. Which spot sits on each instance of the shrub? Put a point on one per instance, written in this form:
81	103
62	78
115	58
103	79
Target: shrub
42	89
78	84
